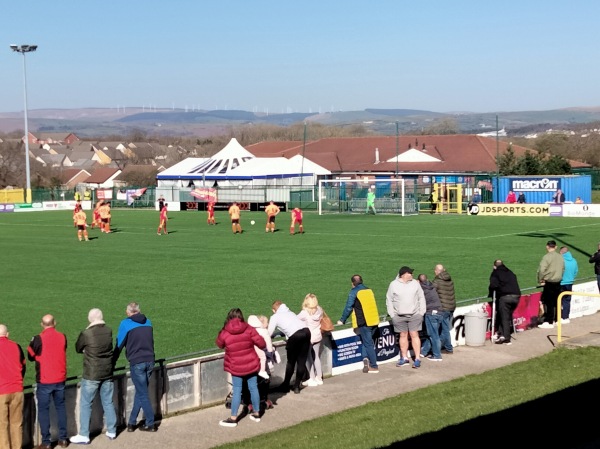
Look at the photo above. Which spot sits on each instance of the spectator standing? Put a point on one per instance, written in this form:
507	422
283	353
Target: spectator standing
595	259
95	343
550	273
311	315
406	307
297	344
272	210
238	339
136	335
361	305
268	356
49	351
12	371
566	283
558	197
433	321
521	198
511	198
504	284
234	213
445	287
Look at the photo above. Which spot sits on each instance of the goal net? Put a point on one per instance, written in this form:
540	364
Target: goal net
350	196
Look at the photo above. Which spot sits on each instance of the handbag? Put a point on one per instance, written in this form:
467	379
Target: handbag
326	323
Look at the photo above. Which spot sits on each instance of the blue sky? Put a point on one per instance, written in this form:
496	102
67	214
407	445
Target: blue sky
309	56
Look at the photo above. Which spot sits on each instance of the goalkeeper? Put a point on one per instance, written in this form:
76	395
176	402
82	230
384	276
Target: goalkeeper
371	201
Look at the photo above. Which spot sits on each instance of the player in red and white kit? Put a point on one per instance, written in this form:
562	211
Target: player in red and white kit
210	210
296	220
163	220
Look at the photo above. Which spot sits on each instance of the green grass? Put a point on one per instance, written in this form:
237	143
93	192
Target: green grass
475	408
187	281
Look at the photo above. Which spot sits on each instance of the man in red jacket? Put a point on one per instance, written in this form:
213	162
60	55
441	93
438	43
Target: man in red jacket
49	351
12	370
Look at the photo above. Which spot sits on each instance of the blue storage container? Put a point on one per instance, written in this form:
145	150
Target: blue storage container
541	189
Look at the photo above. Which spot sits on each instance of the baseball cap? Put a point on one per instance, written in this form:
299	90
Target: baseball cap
404	270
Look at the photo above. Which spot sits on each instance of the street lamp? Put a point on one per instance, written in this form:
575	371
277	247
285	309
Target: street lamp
25	49
396	149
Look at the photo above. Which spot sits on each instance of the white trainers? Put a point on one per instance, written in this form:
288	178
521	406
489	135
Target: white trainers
110	435
565	321
79	439
546	325
319	381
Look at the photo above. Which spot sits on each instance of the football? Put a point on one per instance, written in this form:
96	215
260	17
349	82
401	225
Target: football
252	222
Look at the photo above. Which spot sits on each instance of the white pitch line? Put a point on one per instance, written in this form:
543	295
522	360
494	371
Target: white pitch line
528	232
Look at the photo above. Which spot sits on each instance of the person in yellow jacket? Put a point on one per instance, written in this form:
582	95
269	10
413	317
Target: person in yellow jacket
362	306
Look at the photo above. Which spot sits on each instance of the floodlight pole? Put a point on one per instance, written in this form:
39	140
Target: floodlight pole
396	149
25	49
497	164
302	165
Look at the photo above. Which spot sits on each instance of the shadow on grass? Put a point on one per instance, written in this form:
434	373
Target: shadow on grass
557	420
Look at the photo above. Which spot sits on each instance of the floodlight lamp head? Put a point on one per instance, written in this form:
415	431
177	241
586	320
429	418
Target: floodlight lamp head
14	47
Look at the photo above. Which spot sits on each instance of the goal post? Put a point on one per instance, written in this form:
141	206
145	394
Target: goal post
350	196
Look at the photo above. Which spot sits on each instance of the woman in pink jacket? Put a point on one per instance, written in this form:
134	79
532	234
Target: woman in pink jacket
241	361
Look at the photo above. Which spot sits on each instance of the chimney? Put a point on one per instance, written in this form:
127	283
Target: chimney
377	155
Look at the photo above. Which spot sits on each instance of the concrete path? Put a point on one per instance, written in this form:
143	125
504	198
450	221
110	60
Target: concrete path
200	429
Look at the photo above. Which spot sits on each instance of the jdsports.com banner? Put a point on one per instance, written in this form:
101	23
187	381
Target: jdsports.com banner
516	210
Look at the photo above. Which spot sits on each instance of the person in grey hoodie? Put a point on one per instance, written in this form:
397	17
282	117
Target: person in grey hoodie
566	283
297	345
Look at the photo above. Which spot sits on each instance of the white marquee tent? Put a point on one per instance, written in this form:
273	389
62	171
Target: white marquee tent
236	166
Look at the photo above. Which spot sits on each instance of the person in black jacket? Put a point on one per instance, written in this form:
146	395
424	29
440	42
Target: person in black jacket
95	343
595	259
504	284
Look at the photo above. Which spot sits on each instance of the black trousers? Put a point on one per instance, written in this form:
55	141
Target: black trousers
297	348
506	306
549	299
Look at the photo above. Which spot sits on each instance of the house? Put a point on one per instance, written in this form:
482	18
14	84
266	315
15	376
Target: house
71	177
62	138
102	177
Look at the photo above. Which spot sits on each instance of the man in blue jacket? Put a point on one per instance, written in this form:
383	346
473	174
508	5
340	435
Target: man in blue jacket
566	284
136	336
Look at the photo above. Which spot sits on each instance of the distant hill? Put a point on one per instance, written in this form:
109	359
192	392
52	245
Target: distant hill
98	122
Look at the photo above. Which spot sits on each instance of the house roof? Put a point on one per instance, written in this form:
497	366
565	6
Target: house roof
101	175
68	174
461	153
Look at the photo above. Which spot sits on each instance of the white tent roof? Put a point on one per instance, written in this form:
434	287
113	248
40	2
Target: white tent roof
235	162
186	166
309	166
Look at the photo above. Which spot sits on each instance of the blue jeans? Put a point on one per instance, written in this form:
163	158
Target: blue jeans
446	339
433	324
140	376
56	392
367	348
236	397
565	302
86	399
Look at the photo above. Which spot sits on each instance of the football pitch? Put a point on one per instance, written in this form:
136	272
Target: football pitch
187	281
